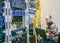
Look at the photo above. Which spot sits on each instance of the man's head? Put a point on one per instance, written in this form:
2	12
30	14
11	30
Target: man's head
48	18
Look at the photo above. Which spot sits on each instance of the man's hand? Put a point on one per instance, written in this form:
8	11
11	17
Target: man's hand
47	34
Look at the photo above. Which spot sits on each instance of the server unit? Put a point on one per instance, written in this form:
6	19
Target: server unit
18	4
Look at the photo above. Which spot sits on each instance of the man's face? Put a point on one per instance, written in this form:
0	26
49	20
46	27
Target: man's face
48	19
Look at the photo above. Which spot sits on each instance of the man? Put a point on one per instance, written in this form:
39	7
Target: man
51	29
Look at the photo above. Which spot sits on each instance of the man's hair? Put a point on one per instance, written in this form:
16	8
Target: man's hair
50	16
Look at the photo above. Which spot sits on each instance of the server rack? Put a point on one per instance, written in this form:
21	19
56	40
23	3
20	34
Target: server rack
18	11
12	10
2	22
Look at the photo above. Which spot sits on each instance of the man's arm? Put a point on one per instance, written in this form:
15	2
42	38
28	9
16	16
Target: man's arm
54	28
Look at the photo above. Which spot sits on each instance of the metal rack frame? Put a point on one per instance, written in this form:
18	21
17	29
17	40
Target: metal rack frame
7	14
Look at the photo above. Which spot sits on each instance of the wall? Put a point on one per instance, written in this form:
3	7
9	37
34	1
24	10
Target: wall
50	7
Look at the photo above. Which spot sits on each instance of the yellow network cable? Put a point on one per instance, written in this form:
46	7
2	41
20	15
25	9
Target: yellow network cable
37	19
